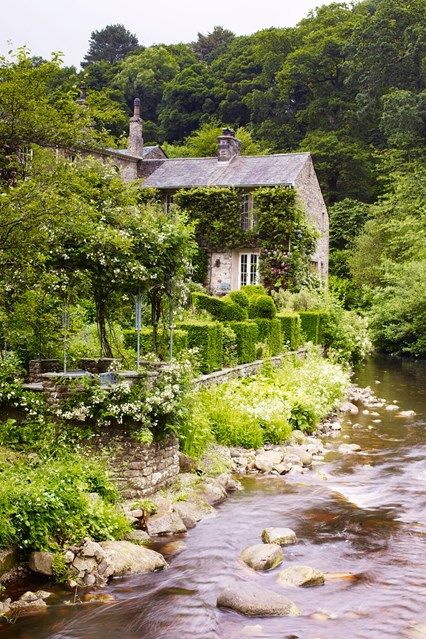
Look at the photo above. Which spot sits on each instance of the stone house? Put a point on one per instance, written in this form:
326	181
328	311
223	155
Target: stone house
227	270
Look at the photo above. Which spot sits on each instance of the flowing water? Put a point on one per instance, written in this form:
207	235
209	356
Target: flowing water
367	518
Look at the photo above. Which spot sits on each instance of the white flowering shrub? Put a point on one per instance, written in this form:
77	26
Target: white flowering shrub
157	409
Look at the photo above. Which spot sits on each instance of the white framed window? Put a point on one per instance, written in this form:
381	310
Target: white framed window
168	203
248	269
248	214
25	155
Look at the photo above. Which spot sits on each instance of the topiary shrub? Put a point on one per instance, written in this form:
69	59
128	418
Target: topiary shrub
246	338
310	325
180	341
240	298
323	319
221	308
269	331
262	306
253	290
290	329
207	338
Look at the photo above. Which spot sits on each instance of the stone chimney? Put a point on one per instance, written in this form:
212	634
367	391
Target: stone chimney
228	146
135	140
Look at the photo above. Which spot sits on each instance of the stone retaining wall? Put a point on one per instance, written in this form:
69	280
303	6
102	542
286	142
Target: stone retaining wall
242	370
140	470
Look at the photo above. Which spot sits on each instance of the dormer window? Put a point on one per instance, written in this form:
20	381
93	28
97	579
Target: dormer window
248	215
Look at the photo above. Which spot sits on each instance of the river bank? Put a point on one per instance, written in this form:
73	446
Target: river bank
299	502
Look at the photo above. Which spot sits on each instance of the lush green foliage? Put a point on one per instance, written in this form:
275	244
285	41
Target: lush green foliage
262	306
310	322
269	332
205	336
180	341
251	411
223	309
290	329
45	504
247	336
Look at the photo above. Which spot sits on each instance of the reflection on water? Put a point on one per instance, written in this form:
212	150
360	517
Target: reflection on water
368	518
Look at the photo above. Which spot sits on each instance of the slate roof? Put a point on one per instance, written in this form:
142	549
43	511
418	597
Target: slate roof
147	150
241	171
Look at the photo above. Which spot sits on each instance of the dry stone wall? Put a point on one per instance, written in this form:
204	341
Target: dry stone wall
140	470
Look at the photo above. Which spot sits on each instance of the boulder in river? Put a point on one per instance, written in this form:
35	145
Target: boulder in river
348	407
406	413
254	600
280	536
41	562
165	524
125	558
349	448
298	575
263	556
267	459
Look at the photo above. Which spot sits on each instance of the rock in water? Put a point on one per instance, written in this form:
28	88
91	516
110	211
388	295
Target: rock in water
255	601
126	558
349	448
262	556
407	413
300	576
41	562
348	407
165	524
280	536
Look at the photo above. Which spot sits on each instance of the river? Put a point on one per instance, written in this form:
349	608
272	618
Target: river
367	518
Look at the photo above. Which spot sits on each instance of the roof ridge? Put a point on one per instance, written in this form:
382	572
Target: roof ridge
266	155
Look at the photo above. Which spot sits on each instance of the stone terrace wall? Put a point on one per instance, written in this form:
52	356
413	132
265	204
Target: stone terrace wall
140	470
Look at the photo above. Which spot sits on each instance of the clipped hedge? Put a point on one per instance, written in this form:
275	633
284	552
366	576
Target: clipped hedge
290	328
262	306
310	324
253	290
324	317
240	298
207	337
180	341
247	334
223	309
269	331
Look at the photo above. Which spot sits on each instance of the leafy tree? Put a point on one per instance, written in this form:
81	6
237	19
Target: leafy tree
384	52
344	165
347	219
187	98
208	47
110	44
403	119
33	112
203	143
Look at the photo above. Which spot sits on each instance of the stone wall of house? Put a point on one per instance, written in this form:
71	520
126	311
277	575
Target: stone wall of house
140	470
309	190
220	273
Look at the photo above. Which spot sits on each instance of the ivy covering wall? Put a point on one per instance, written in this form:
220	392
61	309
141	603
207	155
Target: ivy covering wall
282	233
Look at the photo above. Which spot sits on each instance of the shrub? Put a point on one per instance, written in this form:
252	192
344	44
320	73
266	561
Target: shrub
47	505
290	328
262	306
253	290
310	325
229	341
240	298
269	331
180	341
207	338
223	309
246	338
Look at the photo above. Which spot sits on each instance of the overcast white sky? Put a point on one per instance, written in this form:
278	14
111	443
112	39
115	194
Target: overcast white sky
65	25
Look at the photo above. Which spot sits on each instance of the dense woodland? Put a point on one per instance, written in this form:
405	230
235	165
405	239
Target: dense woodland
346	83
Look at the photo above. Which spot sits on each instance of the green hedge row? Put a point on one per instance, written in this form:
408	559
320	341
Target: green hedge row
312	323
290	329
223	309
246	338
180	341
269	331
207	338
